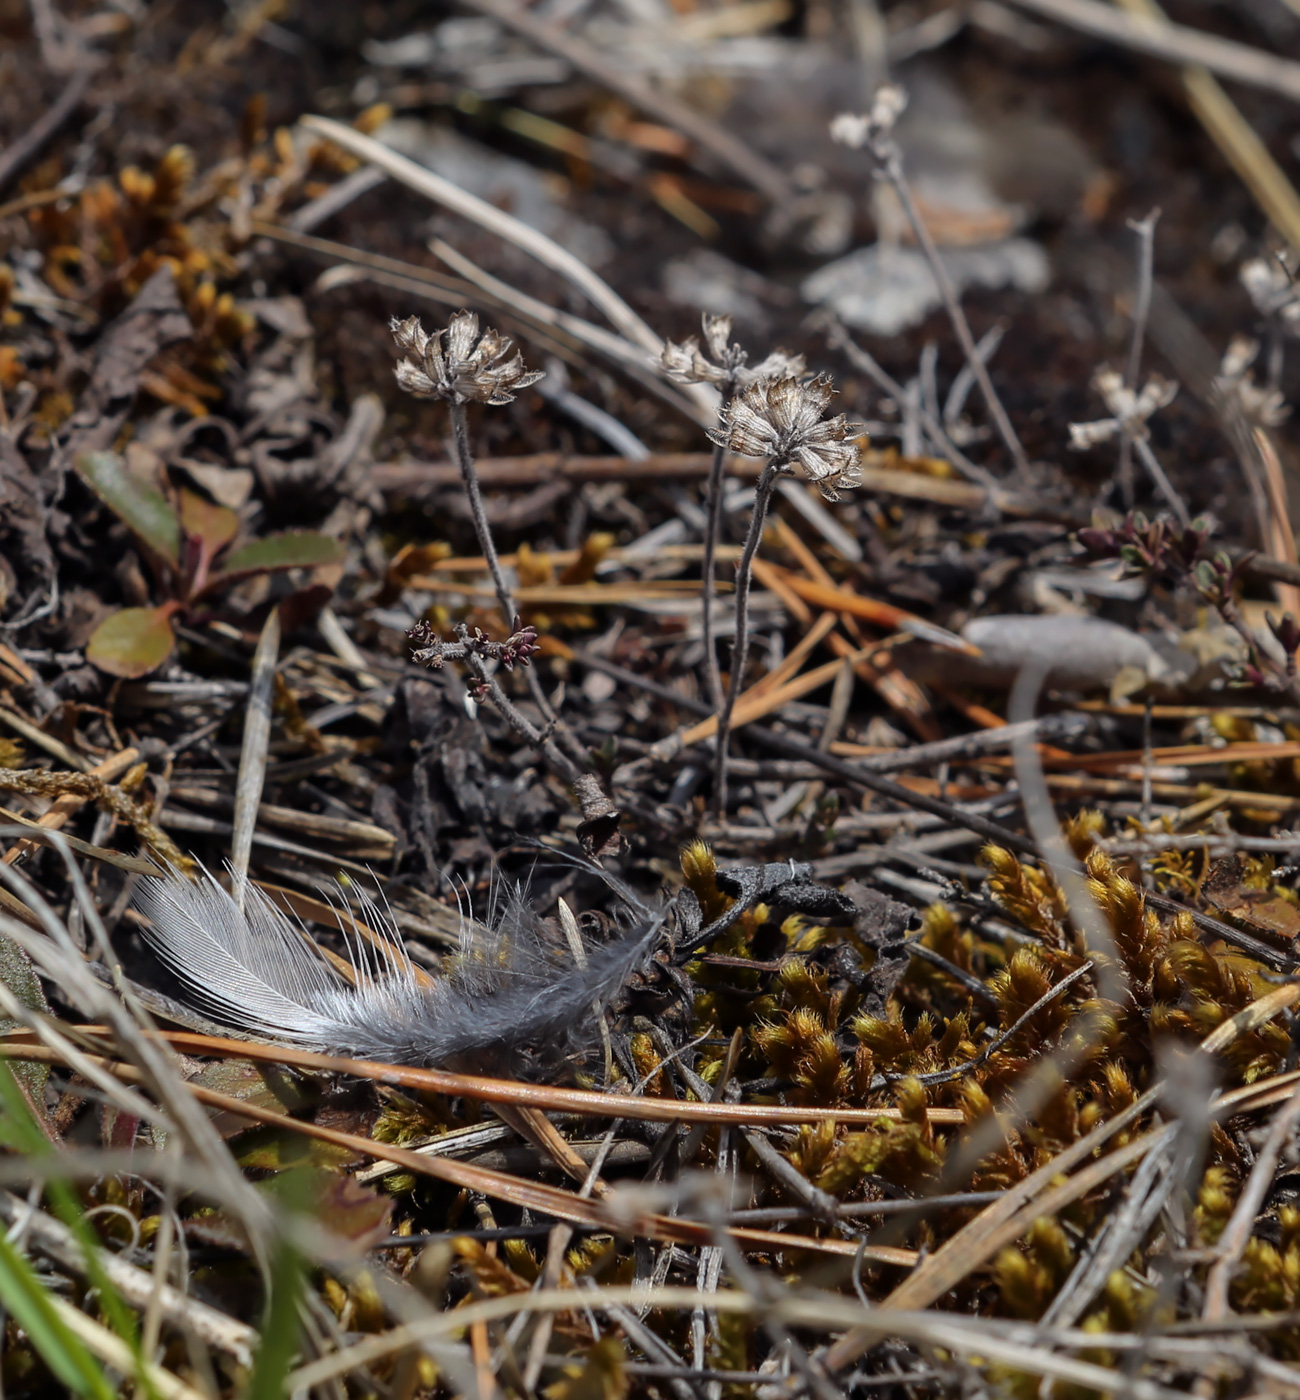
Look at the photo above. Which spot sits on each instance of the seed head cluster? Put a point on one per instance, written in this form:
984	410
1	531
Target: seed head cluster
459	364
781	419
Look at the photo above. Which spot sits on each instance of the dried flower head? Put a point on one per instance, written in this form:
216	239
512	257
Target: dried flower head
1270	283
782	419
876	125
722	361
688	364
459	364
1260	404
1129	411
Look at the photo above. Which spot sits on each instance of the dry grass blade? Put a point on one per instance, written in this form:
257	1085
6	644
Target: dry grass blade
140	1289
747	163
34	734
1176	43
41	836
505	226
542	1096
109	1348
819	1312
975	1243
1233	1241
252	756
1222	119
627	1218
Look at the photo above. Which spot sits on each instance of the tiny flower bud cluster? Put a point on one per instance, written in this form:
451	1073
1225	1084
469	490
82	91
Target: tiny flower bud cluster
781	419
459	364
432	651
872	127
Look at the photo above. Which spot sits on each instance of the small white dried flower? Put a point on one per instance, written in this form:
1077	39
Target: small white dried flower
722	361
781	419
856	131
1264	407
1272	288
688	364
459	363
717	336
1129	411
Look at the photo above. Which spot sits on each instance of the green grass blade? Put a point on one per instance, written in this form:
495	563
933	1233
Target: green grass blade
26	1301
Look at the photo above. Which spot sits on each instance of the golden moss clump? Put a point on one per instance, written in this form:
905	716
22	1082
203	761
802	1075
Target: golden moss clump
700	871
1214	1204
1028	1277
1268	1279
1030	895
803	1050
905	1152
927	1040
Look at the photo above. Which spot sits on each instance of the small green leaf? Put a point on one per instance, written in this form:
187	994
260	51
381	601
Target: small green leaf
212	525
280	1326
133	642
273	1149
296	550
142	507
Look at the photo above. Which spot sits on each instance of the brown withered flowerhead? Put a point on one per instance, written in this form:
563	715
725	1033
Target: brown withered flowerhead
781	419
459	364
722	361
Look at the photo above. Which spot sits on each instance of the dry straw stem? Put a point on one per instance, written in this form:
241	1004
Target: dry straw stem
520	1093
976	1243
535	1196
108	1347
753	168
1235	1237
1280	536
488	216
1229	130
34	734
140	1289
1147	31
981	1339
253	751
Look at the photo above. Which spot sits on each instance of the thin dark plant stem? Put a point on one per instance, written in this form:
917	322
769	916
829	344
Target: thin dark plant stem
1166	487
740	647
712	531
889	167
478	513
477	510
838	338
555	757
